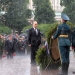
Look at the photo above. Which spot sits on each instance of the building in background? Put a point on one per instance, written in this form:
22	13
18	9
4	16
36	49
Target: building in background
30	5
32	8
55	6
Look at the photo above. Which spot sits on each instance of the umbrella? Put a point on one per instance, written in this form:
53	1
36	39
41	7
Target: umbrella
13	36
24	34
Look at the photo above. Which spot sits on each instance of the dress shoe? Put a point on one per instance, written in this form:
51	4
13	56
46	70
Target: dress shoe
33	64
74	72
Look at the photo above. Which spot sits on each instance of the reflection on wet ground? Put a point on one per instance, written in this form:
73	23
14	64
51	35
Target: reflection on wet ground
20	65
36	71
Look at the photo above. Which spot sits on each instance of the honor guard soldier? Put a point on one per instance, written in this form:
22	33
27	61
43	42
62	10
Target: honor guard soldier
1	46
73	39
62	33
73	42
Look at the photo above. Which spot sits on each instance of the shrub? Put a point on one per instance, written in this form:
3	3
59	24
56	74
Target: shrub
4	29
42	57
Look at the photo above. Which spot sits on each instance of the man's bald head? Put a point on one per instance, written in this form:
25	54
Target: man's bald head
35	24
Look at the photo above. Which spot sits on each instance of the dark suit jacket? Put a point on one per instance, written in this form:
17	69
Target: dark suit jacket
33	39
9	46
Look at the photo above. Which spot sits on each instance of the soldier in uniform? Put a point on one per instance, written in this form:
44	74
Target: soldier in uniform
62	33
73	43
1	46
73	39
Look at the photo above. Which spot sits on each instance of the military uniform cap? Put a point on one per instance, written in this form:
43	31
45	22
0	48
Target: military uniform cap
65	17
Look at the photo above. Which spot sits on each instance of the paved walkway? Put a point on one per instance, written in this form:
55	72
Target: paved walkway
20	65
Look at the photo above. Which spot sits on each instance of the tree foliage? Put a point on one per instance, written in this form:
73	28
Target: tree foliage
43	11
44	28
15	17
66	2
69	9
5	30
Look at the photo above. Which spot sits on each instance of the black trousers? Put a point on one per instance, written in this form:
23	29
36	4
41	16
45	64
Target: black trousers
33	53
74	47
9	55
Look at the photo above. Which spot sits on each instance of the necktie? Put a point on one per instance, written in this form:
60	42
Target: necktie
36	31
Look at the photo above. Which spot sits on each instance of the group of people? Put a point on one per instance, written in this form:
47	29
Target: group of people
12	44
66	38
63	33
16	44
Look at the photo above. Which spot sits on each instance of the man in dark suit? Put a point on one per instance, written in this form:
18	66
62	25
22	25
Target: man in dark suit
9	47
34	40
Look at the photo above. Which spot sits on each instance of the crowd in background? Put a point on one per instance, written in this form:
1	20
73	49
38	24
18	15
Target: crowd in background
14	44
11	44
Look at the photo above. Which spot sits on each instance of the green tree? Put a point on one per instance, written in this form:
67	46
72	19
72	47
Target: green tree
43	11
4	30
69	9
66	2
15	17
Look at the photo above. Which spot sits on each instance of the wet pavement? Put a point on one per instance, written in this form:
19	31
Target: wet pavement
20	65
